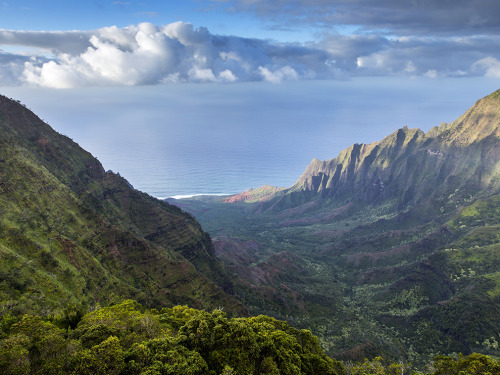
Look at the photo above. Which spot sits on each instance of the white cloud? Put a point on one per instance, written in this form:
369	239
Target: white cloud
431	57
148	54
489	65
203	75
227	76
51	75
278	75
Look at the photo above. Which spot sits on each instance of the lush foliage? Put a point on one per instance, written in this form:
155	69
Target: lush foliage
391	250
126	339
73	234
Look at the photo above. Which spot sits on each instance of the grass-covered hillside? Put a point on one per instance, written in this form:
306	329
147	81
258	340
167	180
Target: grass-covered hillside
72	234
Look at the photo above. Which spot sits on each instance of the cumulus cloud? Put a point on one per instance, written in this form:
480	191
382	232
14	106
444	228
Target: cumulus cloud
278	75
489	65
402	17
148	54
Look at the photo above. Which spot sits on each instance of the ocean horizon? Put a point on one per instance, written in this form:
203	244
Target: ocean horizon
192	139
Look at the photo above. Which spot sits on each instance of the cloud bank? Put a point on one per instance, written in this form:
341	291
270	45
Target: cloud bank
148	54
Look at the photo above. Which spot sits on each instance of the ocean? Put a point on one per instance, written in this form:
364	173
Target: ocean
187	139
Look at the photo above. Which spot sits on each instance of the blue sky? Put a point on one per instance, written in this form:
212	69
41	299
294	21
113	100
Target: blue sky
219	17
86	15
65	44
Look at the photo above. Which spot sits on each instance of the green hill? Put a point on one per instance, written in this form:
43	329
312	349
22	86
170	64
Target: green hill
390	249
73	234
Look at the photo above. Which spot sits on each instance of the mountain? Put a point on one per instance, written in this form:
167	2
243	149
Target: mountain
409	166
72	234
391	248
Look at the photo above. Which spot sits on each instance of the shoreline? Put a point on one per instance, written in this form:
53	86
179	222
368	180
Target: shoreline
187	196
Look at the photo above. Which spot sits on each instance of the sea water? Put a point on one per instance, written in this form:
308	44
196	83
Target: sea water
187	139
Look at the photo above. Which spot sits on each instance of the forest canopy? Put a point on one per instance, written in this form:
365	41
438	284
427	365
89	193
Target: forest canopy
129	339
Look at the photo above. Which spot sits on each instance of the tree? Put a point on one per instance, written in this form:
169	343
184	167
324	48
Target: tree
107	358
473	364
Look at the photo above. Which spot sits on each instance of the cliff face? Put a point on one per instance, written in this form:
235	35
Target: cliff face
71	232
410	166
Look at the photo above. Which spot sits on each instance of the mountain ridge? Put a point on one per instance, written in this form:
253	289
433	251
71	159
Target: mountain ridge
72	233
373	171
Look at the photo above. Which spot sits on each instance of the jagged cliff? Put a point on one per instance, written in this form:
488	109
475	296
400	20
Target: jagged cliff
411	166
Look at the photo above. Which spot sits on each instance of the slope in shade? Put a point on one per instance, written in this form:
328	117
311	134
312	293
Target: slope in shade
73	234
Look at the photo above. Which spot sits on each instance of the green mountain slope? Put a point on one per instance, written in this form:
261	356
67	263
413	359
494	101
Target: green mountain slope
73	234
390	248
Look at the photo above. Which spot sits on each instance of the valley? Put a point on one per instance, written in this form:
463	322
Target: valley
391	248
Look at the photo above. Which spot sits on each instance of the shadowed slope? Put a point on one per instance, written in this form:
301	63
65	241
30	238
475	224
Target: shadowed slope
71	232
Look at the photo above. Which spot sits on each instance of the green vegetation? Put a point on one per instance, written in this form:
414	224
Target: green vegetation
390	250
73	234
128	339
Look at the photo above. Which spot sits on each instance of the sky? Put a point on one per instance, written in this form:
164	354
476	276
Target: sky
63	44
89	64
